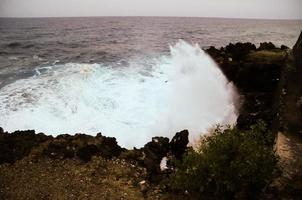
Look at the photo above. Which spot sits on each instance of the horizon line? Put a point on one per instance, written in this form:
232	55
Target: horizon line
86	16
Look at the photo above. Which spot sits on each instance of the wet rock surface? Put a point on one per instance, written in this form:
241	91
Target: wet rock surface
256	72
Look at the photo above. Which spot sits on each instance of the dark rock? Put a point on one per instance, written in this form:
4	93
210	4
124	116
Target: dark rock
213	51
256	106
293	94
59	149
266	46
1	130
108	146
179	143
154	151
298	44
297	51
255	72
258	77
16	145
239	50
85	153
283	47
244	121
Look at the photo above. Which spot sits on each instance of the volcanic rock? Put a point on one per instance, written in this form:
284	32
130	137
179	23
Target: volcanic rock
154	151
239	50
108	146
179	143
16	145
267	46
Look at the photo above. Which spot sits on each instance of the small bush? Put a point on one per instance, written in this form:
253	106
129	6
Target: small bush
228	164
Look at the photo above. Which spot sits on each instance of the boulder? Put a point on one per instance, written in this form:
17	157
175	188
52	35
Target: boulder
179	143
154	151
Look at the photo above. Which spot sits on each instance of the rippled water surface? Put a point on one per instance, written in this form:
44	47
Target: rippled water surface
27	43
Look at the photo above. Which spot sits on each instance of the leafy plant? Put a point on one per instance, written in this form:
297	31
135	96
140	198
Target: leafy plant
228	164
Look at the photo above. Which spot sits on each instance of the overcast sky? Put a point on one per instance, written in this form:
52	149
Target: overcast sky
270	9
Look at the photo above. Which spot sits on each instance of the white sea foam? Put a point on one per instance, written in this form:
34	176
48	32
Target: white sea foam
185	90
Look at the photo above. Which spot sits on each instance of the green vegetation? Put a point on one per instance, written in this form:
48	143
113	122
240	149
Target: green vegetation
228	164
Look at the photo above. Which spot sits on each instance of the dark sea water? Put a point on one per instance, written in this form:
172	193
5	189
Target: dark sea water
115	74
33	42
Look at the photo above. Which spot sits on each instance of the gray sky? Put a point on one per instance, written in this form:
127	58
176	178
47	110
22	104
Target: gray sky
271	9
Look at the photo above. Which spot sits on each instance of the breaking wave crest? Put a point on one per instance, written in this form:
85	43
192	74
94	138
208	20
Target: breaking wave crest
146	98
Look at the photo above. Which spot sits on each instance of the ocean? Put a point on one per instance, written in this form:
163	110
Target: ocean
127	77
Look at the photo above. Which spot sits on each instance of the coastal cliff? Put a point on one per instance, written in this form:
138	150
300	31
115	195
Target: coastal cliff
268	78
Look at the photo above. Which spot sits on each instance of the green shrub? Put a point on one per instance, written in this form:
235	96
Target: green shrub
228	164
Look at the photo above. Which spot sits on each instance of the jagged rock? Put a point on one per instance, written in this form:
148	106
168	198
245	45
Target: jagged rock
298	44
256	72
297	51
108	146
16	145
239	50
179	143
283	47
154	151
266	46
213	51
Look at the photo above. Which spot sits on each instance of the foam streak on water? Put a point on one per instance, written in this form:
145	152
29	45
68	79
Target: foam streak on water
185	90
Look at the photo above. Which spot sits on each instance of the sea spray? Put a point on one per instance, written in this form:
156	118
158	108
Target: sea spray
146	98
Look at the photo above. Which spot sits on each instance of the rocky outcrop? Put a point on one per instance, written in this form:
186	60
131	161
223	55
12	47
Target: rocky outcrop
179	143
291	90
160	147
297	49
256	73
239	50
154	151
19	144
108	146
267	46
16	145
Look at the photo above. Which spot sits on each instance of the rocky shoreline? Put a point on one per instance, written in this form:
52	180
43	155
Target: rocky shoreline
263	77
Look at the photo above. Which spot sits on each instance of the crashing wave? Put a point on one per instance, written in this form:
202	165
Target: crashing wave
184	90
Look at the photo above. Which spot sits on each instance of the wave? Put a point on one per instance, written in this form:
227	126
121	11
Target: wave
145	98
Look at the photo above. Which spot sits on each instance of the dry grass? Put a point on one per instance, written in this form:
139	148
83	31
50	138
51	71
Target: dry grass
70	179
267	56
